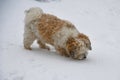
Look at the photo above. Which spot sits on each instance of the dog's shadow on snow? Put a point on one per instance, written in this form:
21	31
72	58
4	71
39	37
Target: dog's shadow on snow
48	53
52	54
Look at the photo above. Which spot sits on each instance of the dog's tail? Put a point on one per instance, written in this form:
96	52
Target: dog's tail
33	14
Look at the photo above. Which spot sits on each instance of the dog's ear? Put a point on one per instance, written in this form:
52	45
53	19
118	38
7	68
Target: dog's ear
87	43
89	46
71	46
86	40
71	50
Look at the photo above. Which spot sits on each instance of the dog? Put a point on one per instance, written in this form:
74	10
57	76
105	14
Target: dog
49	29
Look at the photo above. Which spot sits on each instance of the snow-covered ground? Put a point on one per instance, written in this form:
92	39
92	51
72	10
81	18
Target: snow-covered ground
99	19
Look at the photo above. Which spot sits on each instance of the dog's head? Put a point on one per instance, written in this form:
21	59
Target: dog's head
78	47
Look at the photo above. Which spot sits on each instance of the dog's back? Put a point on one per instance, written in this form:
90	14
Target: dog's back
48	26
51	29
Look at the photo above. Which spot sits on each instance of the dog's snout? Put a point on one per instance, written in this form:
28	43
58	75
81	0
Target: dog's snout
83	57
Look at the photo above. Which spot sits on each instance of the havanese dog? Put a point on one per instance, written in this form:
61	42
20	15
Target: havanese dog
61	34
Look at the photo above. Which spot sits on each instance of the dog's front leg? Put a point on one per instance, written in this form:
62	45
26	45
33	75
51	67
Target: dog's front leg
62	51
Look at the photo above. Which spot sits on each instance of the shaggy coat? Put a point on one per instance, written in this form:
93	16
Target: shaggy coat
62	34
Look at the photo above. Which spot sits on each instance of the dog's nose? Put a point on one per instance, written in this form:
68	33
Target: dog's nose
84	57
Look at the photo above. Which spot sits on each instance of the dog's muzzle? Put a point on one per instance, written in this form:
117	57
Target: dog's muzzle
79	57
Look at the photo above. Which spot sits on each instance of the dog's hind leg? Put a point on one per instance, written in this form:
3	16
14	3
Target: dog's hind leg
29	38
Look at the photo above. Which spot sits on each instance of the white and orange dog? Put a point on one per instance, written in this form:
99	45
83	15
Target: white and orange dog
62	34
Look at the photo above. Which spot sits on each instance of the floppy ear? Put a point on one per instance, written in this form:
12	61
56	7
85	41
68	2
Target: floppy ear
88	44
86	40
89	47
70	48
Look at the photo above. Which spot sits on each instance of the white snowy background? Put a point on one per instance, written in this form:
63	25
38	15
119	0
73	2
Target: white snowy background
99	19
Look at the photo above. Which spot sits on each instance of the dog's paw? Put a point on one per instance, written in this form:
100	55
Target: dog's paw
28	48
64	54
48	48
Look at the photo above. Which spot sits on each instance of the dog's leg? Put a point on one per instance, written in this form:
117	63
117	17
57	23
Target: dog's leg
62	51
42	45
29	38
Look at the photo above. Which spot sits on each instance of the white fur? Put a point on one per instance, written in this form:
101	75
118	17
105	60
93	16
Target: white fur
33	14
62	36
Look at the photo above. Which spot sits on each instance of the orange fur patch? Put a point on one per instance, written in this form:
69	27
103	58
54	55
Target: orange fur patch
62	51
82	36
85	39
72	44
49	25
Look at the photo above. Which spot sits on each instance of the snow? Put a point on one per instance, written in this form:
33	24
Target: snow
99	19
